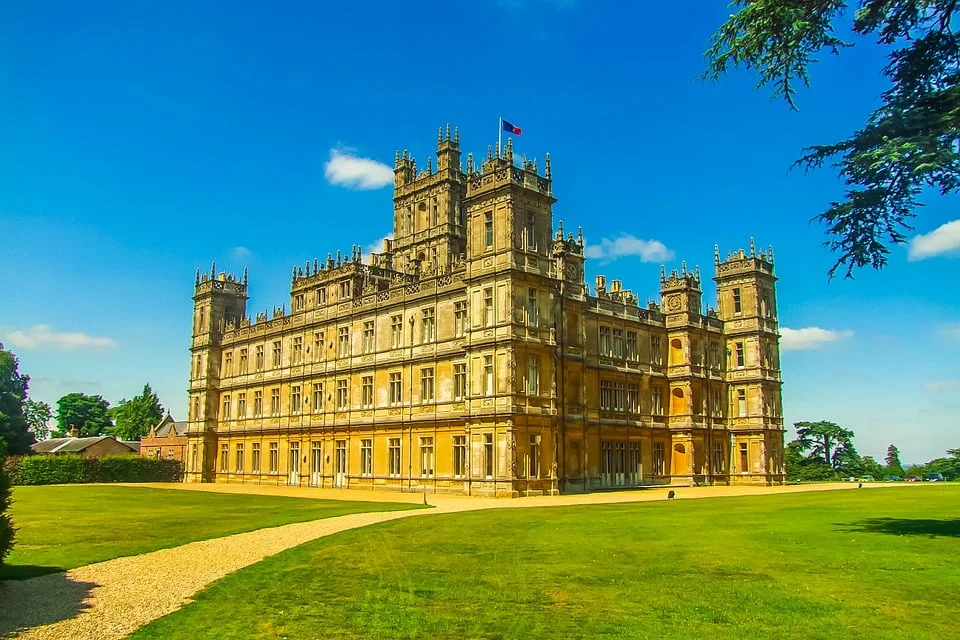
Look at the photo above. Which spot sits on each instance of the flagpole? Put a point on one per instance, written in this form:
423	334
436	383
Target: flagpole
499	137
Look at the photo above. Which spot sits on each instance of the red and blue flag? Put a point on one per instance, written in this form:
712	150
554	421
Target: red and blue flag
511	128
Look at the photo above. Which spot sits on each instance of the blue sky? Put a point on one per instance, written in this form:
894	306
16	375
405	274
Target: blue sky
137	136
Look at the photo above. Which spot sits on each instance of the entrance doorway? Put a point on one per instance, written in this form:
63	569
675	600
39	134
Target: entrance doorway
294	463
316	464
340	468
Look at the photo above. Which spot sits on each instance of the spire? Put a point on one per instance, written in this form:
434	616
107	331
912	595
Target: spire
696	272
316	267
293	276
244	275
456	134
396	158
683	267
508	154
469	164
430	166
490	152
580	235
546	166
663	274
770	253
448	132
439	135
213	270
198	275
753	248
560	229
716	254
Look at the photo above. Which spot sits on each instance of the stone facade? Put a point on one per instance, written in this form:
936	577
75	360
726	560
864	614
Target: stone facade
471	357
166	440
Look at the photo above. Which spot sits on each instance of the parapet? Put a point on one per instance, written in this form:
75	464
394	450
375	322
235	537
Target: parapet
740	261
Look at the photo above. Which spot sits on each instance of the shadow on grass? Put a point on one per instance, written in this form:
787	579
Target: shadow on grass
39	601
907	527
24	571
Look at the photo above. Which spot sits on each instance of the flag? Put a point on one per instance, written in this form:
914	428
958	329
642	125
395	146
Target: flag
510	128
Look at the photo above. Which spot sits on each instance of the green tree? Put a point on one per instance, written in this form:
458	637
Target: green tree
38	416
949	466
7	530
90	415
805	468
829	442
894	466
13	393
909	144
133	418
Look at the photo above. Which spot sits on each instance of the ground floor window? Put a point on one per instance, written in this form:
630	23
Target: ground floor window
488	454
534	465
224	455
393	455
239	457
718	457
193	457
366	457
459	456
274	457
659	467
744	458
255	457
426	457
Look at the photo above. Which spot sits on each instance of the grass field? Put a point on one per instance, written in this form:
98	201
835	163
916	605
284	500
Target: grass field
869	564
61	527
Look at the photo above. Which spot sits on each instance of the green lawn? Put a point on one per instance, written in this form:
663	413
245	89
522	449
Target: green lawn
61	527
868	564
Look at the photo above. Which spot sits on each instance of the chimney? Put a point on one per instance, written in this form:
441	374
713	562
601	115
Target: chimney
615	286
74	432
601	283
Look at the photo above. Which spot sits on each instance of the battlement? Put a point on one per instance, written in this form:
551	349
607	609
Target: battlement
678	281
222	282
568	244
499	170
740	261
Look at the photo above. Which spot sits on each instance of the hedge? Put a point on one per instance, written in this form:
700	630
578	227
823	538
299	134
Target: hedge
7	530
72	469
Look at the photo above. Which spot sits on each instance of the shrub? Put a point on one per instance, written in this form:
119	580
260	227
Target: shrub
54	469
6	524
72	469
11	467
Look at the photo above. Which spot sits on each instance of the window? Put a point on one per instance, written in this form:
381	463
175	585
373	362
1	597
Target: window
737	306
226	407
224	457
459	319
321	296
656	405
716	403
488	375
243	361
275	401
276	354
534	470
368	337
228	364
255	457
298	301
488	230
656	355
366	457
343	342
196	408
488	307
259	355
239	466
241	405
532	317
366	395
618	343
426	457
257	404
396	332
459	456
741	402
396	387
740	356
533	376
343	395
604	341
434	212
393	457
459	380
318	347
274	457
488	454
200	324
426	384
531	232
345	289
198	367
295	399
298	350
317	397
714	355
429	326
717	457
613	395
631	352
658	459
744	458
633	398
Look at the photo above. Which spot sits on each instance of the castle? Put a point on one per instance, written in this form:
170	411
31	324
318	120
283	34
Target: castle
471	357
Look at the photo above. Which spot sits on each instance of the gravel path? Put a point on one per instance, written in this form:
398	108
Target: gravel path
114	598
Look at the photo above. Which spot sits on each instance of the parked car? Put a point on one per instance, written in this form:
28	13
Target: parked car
850	479
866	479
893	479
913	479
934	477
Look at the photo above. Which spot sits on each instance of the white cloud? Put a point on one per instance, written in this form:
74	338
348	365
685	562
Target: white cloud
43	335
943	240
952	332
944	385
344	169
628	245
241	253
810	337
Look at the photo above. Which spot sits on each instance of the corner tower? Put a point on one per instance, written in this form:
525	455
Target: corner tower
746	301
219	301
